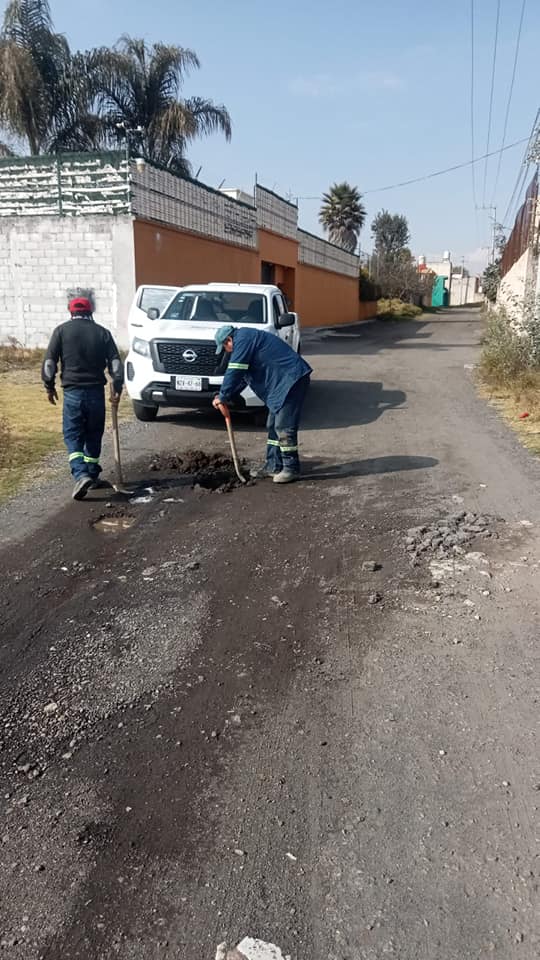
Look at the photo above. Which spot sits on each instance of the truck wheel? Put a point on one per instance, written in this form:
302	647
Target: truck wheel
260	416
145	412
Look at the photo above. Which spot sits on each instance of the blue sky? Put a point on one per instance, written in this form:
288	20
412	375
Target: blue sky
369	92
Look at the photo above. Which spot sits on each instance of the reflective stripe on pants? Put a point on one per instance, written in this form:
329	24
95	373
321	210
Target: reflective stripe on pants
83	422
282	448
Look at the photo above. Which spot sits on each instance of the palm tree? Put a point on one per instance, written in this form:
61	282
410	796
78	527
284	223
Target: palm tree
140	86
342	215
45	92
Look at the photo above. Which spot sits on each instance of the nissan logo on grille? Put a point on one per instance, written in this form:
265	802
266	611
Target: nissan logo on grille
189	356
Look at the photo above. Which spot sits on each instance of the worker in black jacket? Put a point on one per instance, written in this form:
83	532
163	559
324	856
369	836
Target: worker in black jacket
84	350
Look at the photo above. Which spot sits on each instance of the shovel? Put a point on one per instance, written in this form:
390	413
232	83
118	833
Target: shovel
119	485
223	409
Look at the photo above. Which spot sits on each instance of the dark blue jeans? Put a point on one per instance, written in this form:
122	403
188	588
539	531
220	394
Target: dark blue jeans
282	446
83	425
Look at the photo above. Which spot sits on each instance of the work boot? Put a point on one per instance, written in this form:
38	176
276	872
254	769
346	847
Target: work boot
98	484
81	488
263	472
286	476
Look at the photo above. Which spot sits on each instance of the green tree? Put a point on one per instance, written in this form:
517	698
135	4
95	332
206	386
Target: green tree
342	215
45	92
139	90
491	277
390	232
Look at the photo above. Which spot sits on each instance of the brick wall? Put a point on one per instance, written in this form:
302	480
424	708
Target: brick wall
45	260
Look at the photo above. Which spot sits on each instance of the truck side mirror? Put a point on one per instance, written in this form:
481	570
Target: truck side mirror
152	313
286	320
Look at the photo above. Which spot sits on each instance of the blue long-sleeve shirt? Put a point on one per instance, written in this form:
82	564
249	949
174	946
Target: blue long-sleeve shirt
266	364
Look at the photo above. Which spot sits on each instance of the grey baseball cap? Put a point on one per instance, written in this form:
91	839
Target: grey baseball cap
221	336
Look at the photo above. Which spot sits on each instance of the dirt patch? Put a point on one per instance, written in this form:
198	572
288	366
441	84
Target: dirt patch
209	471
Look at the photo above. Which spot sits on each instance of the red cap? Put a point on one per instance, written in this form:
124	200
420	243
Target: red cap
80	305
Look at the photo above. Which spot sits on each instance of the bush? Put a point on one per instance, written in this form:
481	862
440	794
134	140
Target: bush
397	310
506	355
511	354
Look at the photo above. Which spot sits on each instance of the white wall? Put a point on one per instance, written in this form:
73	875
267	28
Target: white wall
443	268
45	260
462	290
521	278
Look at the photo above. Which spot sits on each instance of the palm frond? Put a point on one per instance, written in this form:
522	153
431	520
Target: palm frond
209	117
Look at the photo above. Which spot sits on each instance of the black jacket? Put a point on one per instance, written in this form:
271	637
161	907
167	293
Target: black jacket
84	350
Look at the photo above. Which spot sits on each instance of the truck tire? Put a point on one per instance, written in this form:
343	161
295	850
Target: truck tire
145	412
260	416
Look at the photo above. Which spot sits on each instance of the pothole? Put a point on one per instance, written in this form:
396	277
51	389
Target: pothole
207	471
113	524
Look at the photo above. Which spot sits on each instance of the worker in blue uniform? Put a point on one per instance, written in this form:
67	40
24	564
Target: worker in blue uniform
280	378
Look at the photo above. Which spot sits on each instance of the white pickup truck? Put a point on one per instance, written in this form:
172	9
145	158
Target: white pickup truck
172	357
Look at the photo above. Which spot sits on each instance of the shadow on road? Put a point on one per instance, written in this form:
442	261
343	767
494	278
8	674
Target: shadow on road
315	470
345	403
363	338
330	404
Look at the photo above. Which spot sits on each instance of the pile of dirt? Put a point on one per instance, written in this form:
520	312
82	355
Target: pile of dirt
447	536
209	471
192	462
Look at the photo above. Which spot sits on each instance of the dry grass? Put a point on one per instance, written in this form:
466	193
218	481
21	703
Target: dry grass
511	400
509	378
30	427
33	428
14	357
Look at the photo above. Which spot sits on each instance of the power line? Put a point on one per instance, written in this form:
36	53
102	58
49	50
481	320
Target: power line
429	176
491	93
524	169
510	92
472	105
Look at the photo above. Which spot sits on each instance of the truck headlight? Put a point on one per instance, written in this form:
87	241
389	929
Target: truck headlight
142	347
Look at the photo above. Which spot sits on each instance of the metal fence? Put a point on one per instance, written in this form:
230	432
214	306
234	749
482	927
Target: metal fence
522	235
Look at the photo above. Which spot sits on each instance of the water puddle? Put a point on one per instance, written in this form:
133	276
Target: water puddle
113	524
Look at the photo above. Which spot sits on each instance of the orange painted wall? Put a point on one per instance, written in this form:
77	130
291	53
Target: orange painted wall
321	297
324	299
165	255
278	250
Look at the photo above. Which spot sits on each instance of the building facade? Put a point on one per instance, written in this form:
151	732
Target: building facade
102	225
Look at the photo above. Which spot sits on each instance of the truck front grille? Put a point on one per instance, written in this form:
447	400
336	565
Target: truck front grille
176	356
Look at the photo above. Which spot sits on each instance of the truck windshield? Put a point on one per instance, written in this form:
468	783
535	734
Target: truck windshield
218	306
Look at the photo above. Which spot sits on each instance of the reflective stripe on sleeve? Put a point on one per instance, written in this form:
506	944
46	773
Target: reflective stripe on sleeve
238	366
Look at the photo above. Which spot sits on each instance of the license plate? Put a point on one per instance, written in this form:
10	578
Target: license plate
188	383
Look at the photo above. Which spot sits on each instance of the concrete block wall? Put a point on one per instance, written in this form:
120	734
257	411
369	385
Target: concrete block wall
45	260
316	252
189	205
276	214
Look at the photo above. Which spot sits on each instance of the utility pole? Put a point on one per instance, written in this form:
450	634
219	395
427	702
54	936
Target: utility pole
493	218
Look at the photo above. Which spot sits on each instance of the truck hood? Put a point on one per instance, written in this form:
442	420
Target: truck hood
180	330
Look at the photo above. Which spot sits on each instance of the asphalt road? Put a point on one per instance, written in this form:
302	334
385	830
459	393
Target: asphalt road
281	713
